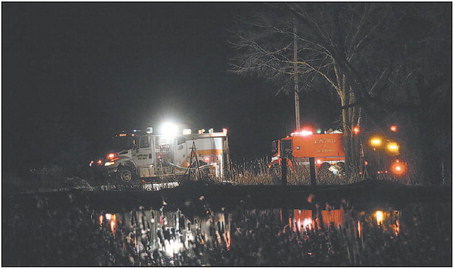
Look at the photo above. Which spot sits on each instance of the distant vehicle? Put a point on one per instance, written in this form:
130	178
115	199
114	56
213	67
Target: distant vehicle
142	154
327	149
383	150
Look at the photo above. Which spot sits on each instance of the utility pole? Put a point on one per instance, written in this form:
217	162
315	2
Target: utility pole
295	76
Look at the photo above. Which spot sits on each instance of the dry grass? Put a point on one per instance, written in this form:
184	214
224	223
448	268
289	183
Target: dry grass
257	173
43	179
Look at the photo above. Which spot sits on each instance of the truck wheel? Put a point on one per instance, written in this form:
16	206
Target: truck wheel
125	174
324	171
324	166
341	166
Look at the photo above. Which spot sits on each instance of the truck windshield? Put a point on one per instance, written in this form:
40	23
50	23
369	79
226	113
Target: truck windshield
123	142
286	148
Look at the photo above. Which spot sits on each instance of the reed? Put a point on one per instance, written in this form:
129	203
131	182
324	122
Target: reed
256	172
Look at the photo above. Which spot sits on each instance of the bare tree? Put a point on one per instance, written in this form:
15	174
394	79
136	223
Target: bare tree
386	63
330	44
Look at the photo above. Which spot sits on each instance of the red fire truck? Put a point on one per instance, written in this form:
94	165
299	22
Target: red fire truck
327	149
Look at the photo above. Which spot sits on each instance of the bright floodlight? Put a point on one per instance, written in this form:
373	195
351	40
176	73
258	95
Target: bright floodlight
169	129
379	216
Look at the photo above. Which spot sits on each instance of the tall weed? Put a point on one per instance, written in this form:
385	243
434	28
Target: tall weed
256	172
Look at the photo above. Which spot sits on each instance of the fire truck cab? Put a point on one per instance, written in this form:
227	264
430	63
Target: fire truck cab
142	154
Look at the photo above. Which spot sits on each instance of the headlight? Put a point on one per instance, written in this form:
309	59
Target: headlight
109	163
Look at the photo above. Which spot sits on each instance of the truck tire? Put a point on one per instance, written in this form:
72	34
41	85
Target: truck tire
125	174
324	167
341	166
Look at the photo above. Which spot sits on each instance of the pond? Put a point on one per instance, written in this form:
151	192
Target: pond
317	235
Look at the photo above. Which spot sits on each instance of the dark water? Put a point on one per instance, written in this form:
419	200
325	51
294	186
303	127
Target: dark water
79	235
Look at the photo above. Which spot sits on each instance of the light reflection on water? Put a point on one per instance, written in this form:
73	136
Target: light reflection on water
172	234
313	235
44	230
169	232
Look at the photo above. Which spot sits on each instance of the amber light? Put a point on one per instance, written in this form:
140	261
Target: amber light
376	141
99	162
392	148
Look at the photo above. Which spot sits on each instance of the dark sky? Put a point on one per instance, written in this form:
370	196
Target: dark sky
75	73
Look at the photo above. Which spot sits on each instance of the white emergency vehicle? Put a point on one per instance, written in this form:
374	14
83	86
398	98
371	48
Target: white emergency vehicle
142	154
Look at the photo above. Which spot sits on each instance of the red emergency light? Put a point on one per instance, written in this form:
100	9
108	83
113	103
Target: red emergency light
398	168
112	156
303	132
356	130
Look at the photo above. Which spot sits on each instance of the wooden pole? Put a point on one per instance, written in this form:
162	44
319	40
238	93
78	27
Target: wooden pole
312	171
284	171
295	77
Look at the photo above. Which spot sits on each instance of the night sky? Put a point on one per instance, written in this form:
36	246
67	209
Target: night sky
75	73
